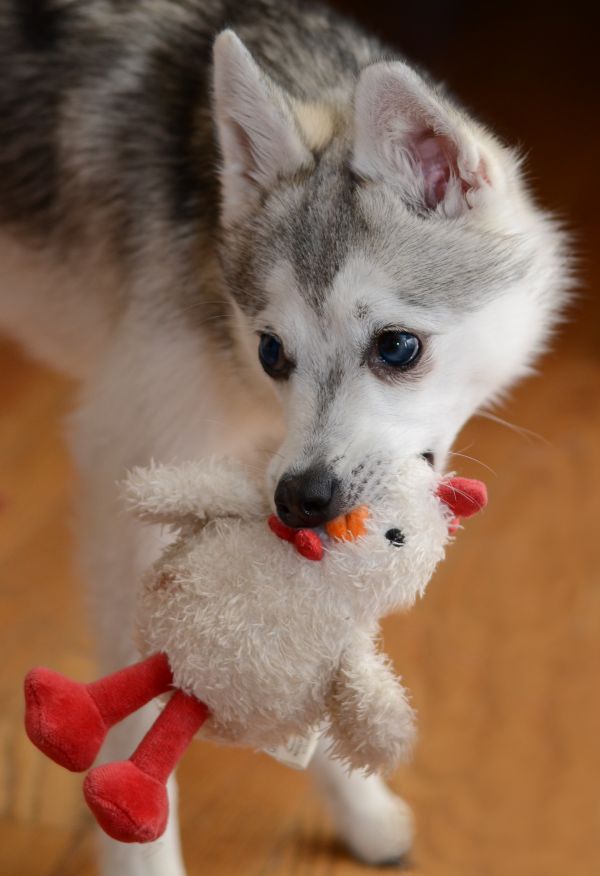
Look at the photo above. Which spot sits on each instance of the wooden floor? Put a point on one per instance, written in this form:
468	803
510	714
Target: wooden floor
503	655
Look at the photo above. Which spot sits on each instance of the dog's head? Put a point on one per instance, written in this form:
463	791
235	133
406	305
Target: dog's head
387	263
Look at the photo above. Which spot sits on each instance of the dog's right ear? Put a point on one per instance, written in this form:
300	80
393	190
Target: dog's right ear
257	130
410	136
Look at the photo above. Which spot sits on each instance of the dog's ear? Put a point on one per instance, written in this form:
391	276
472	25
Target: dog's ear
257	130
408	135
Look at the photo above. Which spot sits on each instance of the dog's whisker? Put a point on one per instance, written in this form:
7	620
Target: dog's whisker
462	493
473	459
523	431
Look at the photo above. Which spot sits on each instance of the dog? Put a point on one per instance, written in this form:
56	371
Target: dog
251	228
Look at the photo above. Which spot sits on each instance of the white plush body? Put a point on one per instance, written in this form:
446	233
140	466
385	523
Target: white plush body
275	643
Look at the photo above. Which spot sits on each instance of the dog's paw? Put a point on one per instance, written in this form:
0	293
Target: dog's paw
378	828
373	823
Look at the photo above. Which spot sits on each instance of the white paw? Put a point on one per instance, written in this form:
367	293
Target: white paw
375	824
380	834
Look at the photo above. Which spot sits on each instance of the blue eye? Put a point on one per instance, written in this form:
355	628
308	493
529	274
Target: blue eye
398	349
272	357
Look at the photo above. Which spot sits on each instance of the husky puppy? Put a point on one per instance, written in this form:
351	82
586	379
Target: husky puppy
250	228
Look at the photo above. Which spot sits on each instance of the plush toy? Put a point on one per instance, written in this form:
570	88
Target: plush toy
262	632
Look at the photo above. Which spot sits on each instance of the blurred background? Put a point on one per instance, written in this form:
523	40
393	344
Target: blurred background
502	656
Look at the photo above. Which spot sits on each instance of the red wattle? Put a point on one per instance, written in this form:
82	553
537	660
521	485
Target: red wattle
280	529
308	544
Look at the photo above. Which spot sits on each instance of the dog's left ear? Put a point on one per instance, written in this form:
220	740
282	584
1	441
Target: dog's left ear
257	129
410	136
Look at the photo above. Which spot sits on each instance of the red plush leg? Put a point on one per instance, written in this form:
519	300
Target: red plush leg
69	721
124	692
62	720
129	798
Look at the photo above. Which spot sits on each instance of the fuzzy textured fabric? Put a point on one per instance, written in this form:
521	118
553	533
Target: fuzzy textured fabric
275	644
259	641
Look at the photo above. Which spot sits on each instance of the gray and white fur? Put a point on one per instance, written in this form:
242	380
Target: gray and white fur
178	176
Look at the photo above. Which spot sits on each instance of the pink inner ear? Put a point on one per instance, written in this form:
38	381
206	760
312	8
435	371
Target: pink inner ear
463	496
437	156
434	156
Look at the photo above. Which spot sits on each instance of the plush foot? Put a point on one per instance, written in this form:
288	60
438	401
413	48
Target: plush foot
128	804
62	719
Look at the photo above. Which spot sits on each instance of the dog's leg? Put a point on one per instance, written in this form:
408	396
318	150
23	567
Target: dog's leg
113	616
160	858
374	823
158	395
114	552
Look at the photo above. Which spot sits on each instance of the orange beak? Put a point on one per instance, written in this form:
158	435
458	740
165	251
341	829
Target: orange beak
348	527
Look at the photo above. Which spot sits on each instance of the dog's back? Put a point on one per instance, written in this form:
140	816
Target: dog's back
107	150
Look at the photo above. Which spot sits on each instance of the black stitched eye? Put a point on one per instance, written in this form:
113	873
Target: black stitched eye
395	537
272	357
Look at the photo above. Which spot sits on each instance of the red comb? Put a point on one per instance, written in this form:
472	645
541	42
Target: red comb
464	496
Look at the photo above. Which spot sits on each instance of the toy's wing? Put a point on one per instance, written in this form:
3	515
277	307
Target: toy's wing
178	494
371	721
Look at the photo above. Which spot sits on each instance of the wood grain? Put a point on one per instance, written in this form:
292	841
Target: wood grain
503	654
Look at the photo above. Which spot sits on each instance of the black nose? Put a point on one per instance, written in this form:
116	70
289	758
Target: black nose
309	498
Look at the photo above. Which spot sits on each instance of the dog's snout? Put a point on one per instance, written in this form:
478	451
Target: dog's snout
309	498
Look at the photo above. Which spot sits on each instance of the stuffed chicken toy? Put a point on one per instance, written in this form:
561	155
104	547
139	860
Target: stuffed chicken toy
257	632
